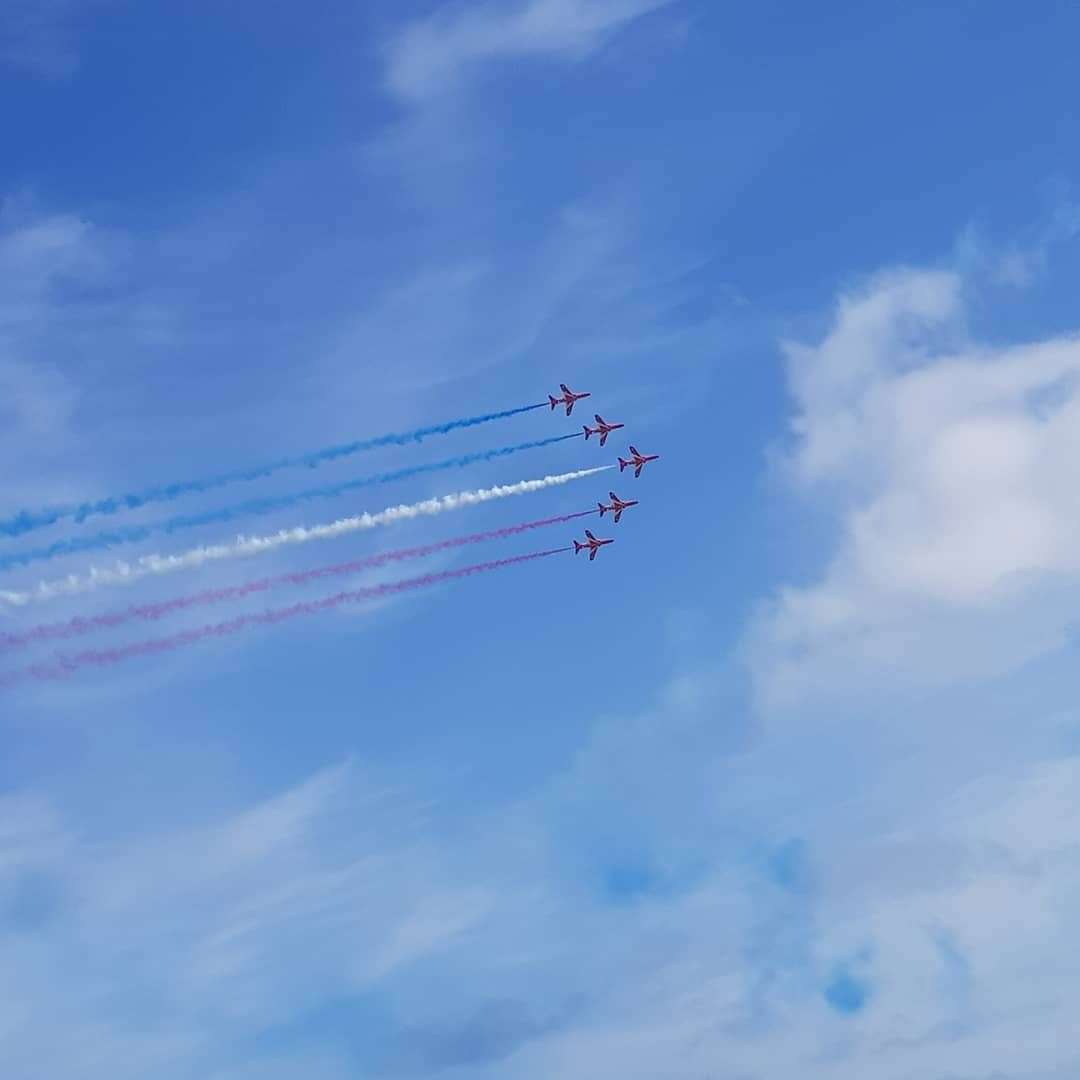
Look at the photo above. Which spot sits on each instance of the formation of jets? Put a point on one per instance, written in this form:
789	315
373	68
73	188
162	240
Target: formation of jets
637	461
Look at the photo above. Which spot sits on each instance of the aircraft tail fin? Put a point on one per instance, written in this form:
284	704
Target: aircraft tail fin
622	464
588	431
578	546
554	402
603	509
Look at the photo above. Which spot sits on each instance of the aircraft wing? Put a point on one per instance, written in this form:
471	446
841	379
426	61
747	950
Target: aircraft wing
592	554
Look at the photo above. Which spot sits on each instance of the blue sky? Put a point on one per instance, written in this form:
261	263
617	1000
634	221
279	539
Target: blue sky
786	782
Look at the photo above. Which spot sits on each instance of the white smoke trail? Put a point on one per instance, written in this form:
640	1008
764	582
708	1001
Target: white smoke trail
123	573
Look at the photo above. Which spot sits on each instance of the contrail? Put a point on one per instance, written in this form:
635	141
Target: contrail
135	533
79	626
122	573
28	520
65	665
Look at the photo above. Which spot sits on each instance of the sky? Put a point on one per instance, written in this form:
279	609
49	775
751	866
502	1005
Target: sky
787	781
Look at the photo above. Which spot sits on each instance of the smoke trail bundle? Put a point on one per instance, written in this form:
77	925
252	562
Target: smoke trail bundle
28	520
80	626
135	533
66	665
123	573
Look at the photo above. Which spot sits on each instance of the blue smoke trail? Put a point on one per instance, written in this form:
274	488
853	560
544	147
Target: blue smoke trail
28	520
135	533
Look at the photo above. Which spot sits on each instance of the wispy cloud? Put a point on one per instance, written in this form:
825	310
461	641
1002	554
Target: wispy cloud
434	54
276	892
39	258
68	311
1024	259
38	36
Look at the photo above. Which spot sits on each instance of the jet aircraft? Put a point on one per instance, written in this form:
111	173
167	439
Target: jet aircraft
568	398
637	460
617	506
592	544
603	429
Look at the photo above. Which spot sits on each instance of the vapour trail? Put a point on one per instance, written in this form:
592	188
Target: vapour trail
27	520
122	573
135	533
65	665
80	626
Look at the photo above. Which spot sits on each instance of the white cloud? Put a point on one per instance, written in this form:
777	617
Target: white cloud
430	56
966	953
949	467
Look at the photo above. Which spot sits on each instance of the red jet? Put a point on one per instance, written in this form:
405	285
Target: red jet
603	429
637	460
568	398
592	544
617	505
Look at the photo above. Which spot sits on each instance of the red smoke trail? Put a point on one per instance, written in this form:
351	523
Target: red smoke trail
63	665
77	627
